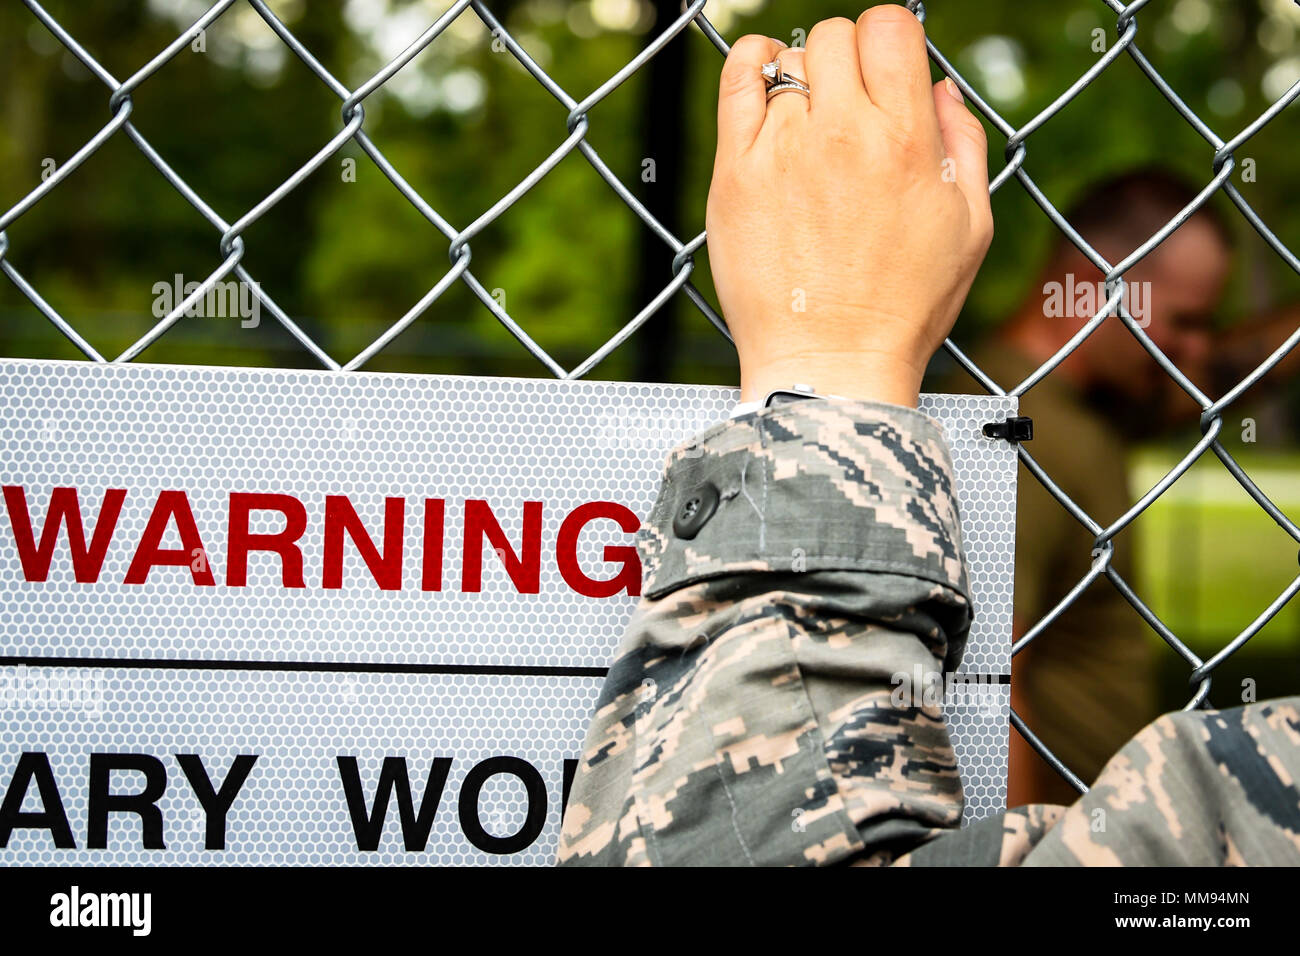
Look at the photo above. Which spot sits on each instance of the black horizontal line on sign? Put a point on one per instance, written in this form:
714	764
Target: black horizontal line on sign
351	667
521	670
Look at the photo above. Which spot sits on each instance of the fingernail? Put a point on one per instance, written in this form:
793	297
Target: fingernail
779	42
953	91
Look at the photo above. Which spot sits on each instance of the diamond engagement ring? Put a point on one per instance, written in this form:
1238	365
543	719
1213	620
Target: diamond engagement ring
778	81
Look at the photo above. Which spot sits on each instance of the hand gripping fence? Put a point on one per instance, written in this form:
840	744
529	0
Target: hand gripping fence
352	117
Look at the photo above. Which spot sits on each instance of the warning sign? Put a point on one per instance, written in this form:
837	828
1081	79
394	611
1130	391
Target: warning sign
289	617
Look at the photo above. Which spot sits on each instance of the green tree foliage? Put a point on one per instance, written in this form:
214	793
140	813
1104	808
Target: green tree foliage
464	122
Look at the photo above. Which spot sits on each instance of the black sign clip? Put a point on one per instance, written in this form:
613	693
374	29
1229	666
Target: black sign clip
1014	430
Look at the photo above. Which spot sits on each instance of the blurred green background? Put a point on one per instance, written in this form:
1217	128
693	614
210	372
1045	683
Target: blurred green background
464	122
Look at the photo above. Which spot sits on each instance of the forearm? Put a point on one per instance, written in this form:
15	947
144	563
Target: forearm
763	705
802	558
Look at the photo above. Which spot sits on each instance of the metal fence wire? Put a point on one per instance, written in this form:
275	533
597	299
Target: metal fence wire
231	246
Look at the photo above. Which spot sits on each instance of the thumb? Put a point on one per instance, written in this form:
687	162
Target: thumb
965	145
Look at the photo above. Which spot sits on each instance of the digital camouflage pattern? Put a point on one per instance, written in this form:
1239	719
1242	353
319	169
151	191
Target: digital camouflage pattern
752	714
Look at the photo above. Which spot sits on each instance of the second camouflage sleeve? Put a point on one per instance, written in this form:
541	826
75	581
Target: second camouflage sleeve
803	568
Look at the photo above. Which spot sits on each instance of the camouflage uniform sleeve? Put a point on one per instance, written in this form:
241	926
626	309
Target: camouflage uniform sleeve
1208	788
803	572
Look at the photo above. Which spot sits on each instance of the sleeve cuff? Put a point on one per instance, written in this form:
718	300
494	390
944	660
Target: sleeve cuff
807	486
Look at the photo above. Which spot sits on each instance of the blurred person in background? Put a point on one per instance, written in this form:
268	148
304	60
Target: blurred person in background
1087	683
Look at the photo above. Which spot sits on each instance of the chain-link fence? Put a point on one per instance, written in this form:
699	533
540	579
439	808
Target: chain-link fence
1220	156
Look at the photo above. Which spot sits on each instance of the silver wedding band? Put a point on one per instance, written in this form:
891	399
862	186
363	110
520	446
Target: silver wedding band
779	81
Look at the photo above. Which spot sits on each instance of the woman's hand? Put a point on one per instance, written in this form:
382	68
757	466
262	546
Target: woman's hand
845	228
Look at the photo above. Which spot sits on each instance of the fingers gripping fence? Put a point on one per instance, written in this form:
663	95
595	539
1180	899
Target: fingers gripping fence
232	250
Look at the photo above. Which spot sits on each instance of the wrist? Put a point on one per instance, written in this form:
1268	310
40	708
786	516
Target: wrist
869	377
